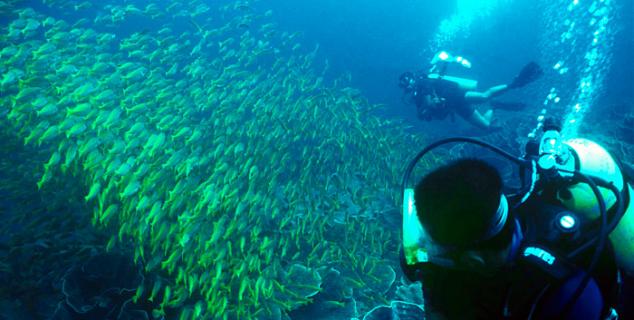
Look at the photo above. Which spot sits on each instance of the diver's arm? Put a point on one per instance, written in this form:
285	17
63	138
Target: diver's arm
480	97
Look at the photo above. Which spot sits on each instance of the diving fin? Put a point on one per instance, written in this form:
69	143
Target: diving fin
531	72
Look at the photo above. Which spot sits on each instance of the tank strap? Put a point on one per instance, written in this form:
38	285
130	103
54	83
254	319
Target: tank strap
538	269
548	261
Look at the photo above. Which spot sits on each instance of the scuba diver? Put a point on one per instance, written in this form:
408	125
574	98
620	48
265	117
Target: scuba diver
438	95
561	246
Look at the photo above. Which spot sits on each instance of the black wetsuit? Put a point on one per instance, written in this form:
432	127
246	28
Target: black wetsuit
453	99
511	293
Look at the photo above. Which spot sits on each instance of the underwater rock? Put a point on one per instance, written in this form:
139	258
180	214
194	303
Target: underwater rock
303	281
397	310
384	276
348	208
334	302
130	311
411	293
333	285
326	310
300	284
402	310
410	305
101	288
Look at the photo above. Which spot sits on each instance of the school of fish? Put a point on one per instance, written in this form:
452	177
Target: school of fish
214	146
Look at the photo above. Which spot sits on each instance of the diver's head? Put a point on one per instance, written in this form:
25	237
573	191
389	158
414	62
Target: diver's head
407	81
462	207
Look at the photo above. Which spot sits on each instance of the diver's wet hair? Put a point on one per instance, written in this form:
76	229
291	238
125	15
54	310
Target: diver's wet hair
456	203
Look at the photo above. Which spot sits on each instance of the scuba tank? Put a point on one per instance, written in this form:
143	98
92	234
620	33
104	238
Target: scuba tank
444	63
589	158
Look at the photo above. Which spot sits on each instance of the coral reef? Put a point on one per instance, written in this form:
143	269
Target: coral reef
101	288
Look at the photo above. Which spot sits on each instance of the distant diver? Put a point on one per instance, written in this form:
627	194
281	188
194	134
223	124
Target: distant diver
560	245
438	95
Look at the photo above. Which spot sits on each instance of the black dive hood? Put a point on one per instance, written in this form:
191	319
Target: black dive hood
418	247
542	160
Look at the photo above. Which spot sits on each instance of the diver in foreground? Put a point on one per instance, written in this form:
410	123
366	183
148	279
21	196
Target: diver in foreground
559	247
438	95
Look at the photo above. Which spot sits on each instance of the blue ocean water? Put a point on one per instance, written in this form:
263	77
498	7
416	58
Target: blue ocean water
376	42
242	159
